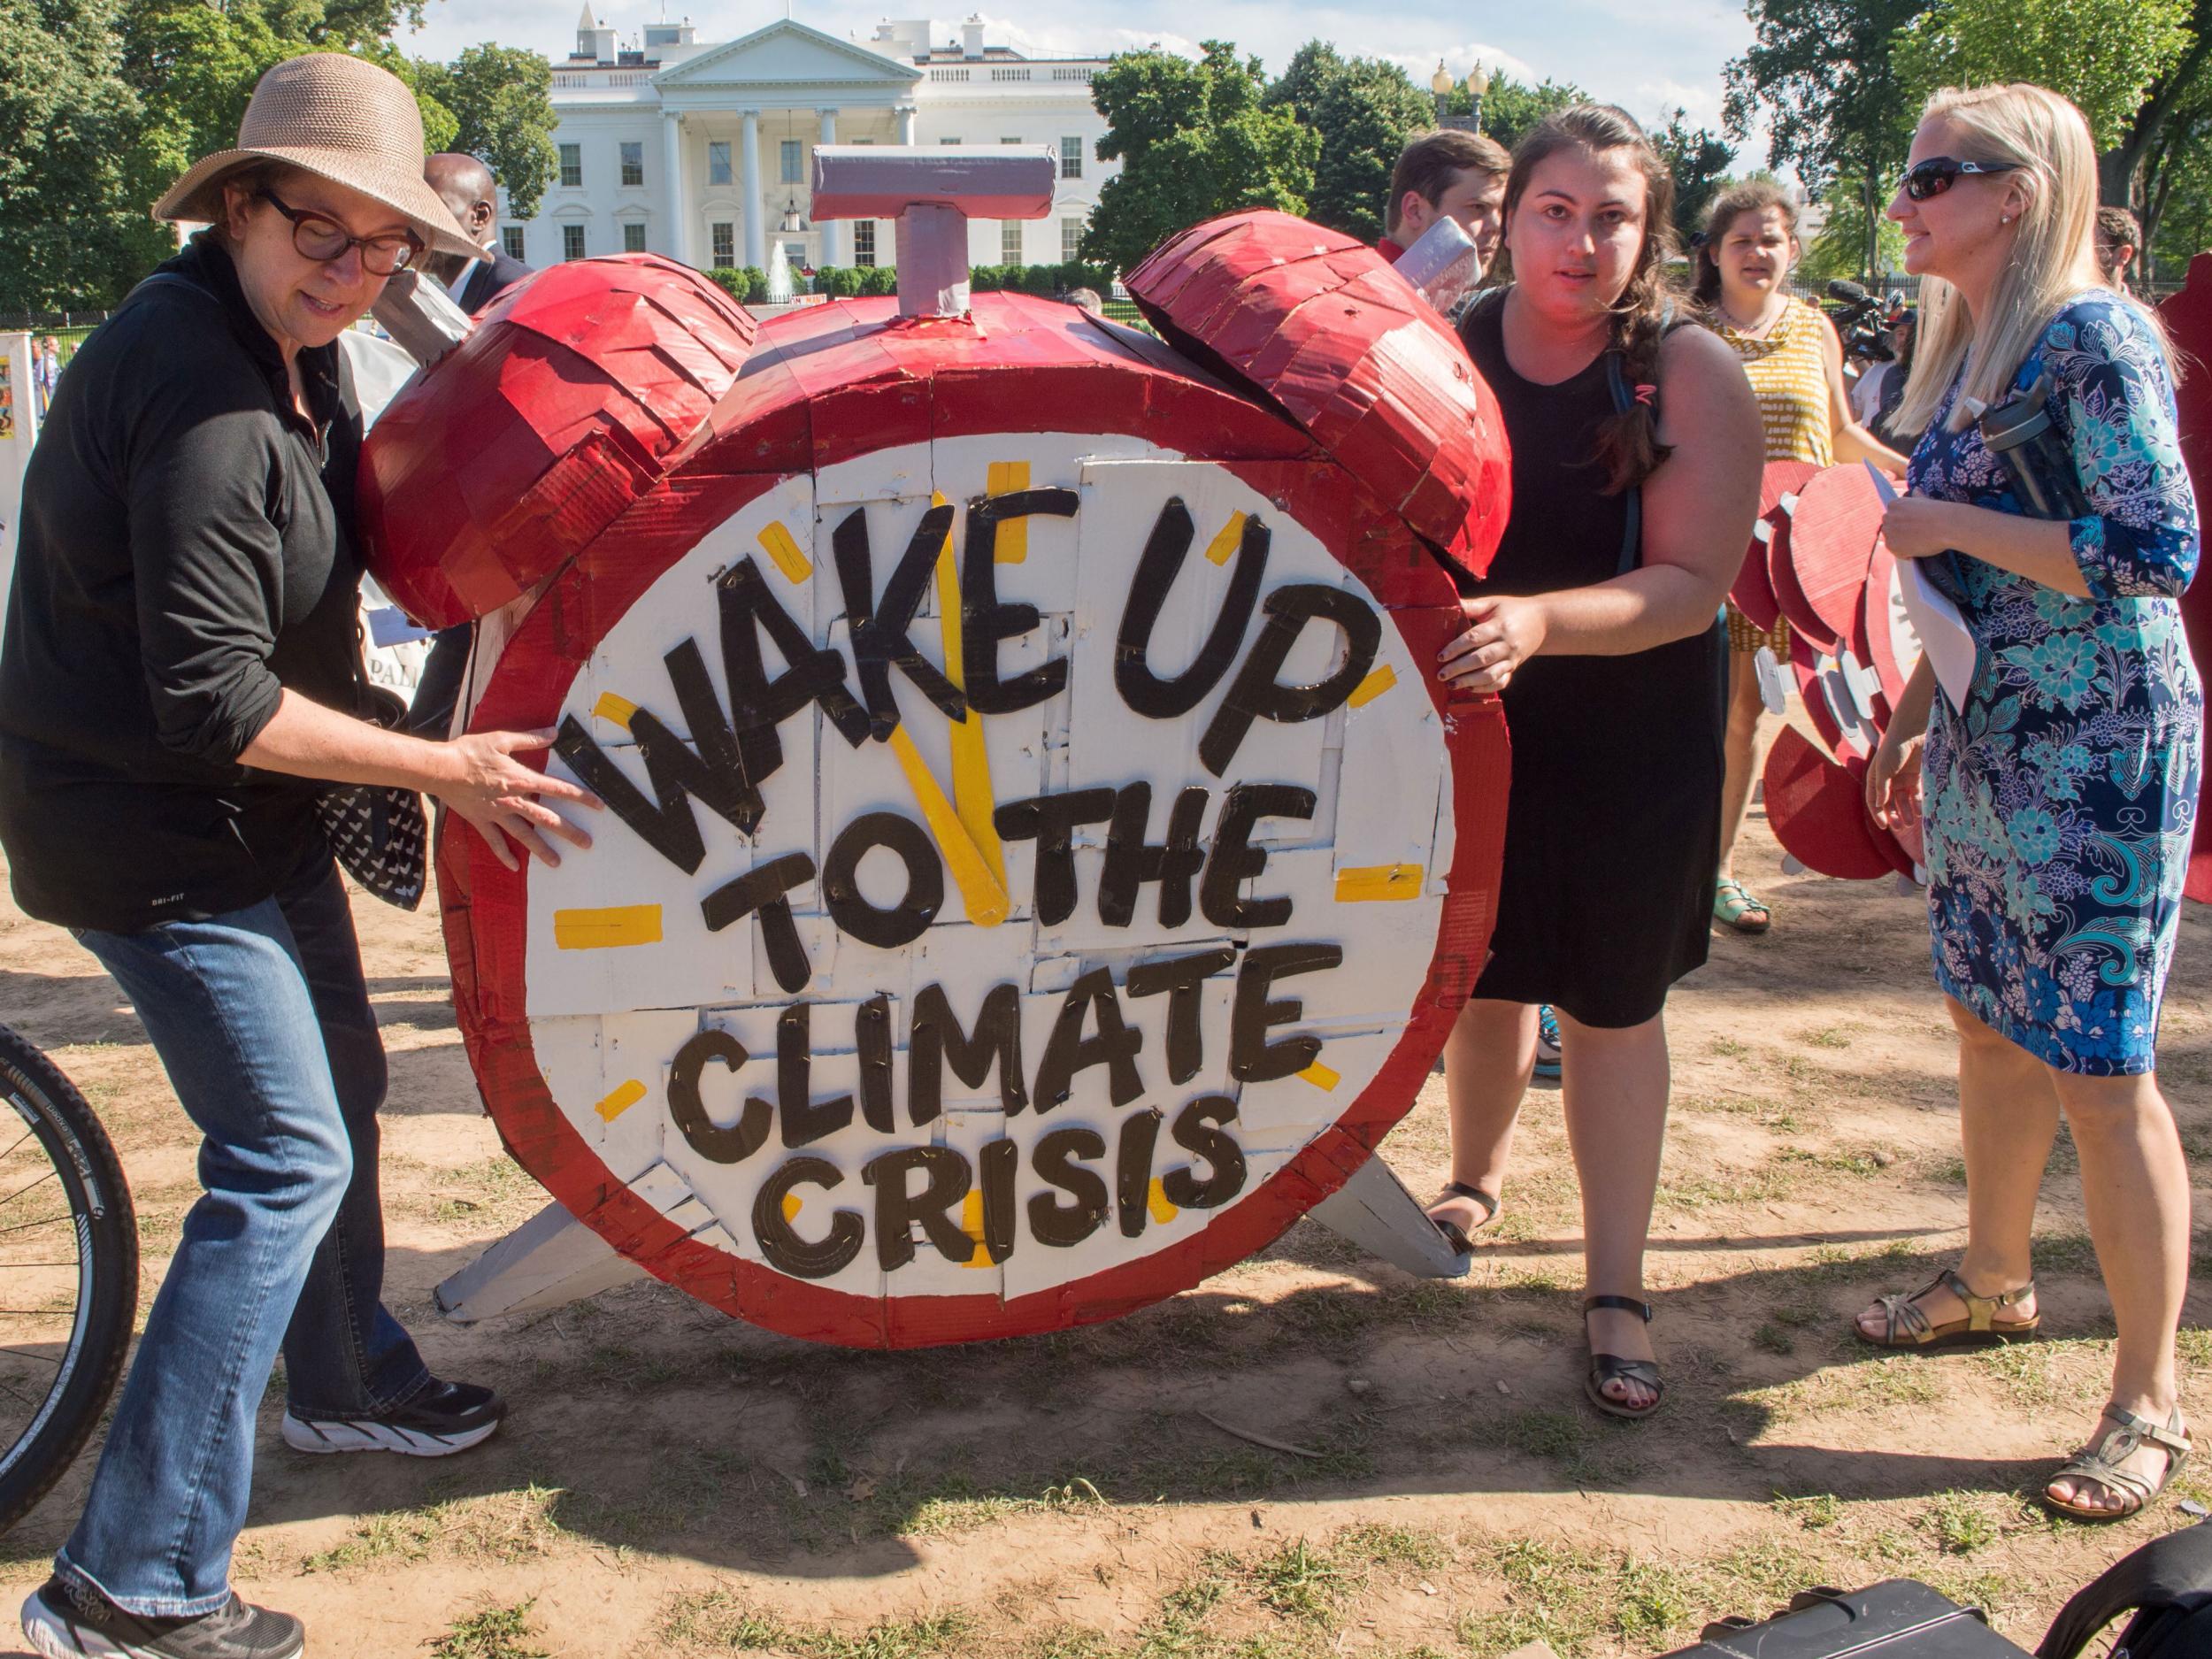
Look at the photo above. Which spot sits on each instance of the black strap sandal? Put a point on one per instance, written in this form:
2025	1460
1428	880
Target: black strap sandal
1605	1368
1454	1233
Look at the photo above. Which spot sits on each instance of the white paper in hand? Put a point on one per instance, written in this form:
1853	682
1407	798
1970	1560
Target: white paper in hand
1943	632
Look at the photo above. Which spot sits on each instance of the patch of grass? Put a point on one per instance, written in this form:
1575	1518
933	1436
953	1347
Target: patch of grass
1571	1597
1829	1037
1728	1048
1814	1512
498	1632
722	1619
1773	1340
2065	1253
1832	1161
1950	1170
1299	1581
504	1526
1541	1431
1383	1545
1961	1522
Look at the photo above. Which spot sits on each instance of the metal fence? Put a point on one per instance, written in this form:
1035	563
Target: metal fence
42	322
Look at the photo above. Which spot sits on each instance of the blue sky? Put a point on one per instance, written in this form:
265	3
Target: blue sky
1648	56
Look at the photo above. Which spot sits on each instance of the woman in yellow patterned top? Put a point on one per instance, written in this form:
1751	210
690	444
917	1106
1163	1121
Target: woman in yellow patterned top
1796	362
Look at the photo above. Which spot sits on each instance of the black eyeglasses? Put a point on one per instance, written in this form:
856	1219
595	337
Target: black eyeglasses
322	240
1938	173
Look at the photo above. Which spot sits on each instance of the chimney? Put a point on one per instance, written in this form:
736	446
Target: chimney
971	38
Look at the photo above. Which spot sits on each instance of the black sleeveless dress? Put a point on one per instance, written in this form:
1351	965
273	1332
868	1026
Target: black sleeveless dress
1612	837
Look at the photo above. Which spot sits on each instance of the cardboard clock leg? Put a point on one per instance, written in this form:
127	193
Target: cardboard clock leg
547	1262
1374	1210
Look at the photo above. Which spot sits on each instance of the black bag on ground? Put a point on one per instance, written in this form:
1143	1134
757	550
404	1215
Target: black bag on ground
2168	1581
1897	1618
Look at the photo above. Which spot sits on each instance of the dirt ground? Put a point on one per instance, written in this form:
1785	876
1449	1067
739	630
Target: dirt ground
673	1482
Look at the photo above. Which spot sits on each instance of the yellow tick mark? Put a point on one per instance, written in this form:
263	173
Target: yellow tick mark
790	1208
1011	545
1373	686
778	542
1219	549
1378	881
972	1223
983	893
628	1095
1321	1077
1156	1200
972	797
615	710
604	929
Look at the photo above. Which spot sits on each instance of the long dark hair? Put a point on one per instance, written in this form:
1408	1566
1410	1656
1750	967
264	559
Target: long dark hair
1754	196
1628	443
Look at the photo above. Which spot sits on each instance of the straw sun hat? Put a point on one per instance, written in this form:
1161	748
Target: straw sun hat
341	118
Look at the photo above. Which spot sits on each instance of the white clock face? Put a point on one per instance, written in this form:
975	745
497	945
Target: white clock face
903	1002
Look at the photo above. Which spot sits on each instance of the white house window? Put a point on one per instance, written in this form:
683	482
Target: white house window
725	237
792	150
1009	241
633	164
863	241
1071	157
512	235
795	252
718	161
634	239
1071	239
571	164
948	141
572	241
1009	141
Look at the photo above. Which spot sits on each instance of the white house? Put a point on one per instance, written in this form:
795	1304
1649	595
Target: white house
703	151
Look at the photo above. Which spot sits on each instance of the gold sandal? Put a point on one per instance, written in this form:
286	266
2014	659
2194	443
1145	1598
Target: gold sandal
1908	1326
2101	1463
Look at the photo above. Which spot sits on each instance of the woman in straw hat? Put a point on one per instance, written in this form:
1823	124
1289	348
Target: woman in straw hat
179	690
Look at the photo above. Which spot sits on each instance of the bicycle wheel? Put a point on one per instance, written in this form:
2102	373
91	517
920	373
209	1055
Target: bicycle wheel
68	1275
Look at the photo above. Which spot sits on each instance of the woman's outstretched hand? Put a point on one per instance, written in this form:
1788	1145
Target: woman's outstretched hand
505	799
1503	632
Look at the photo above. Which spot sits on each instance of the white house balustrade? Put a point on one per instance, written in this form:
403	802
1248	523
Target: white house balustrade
703	150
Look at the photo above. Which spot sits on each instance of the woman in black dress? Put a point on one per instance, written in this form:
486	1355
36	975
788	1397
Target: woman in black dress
1636	457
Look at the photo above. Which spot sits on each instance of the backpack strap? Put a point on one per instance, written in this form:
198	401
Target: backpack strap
1623	398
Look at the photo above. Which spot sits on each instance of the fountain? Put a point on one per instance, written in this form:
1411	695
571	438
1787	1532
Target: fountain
779	288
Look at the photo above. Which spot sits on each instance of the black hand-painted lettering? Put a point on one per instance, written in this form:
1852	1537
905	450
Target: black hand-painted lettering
688	1112
804	1120
1235	860
1068	1051
985	623
1050	821
937	1039
879	631
1132	1169
1165	551
910	918
1132	861
1181	978
764	889
1199	1129
714	771
1055	1224
872	1035
749	606
1252	1058
999	1162
779	1240
1256	695
947	1180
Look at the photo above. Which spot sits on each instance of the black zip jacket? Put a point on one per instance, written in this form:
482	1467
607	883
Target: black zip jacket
185	551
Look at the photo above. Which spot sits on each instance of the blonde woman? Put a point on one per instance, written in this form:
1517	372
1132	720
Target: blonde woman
2058	800
1794	361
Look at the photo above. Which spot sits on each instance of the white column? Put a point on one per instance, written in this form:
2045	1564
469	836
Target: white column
675	237
905	112
833	230
755	238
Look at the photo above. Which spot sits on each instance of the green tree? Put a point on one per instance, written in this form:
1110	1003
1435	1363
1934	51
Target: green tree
1840	250
2165	128
68	120
501	100
1699	161
1363	112
1820	72
2105	55
1194	139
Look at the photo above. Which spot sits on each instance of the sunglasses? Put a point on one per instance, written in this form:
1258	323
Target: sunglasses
317	238
1938	173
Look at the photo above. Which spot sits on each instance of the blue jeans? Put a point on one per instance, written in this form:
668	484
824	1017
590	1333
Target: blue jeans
262	1019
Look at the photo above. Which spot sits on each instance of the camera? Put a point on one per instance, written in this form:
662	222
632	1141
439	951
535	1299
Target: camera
1858	318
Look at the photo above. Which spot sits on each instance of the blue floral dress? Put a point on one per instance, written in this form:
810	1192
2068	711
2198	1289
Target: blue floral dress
2061	800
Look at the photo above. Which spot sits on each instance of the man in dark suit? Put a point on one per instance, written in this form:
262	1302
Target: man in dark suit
467	188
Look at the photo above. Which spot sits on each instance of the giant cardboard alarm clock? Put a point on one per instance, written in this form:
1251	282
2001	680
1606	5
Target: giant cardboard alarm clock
1040	860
